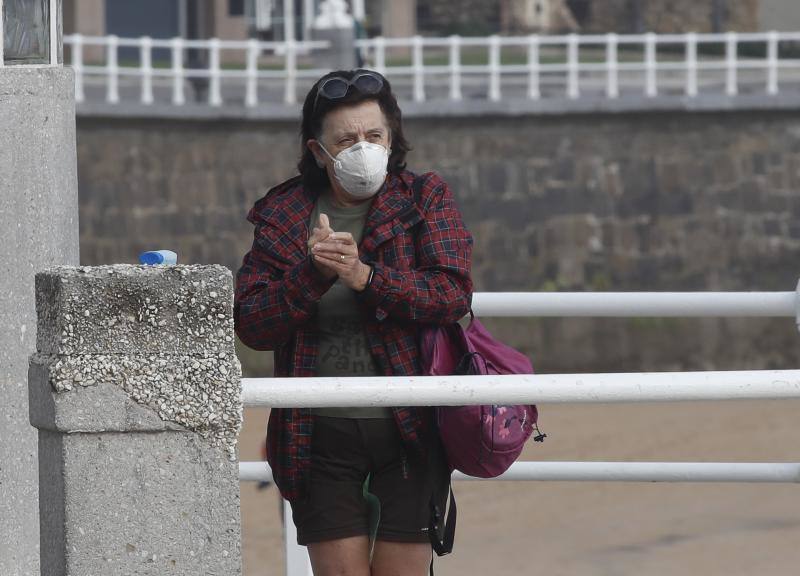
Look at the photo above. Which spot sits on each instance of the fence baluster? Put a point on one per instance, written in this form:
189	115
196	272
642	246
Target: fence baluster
146	68
533	67
650	65
380	55
251	98
214	93
178	97
455	68
112	70
77	66
494	68
772	63
418	66
612	86
731	55
573	91
691	64
290	96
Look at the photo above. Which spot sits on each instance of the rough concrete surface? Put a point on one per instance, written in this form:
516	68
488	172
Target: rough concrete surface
124	309
38	228
135	391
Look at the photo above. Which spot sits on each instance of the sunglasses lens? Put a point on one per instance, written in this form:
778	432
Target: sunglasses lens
368	84
334	88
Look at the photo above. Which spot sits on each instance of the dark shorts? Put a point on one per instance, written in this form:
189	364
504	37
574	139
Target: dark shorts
343	452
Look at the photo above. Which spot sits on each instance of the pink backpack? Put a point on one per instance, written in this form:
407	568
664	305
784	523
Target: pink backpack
485	440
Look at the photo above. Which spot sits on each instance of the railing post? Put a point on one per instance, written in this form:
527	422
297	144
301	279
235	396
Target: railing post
380	55
573	91
418	66
650	64
251	98
612	85
691	64
455	67
77	65
178	97
533	67
731	63
290	94
112	70
135	390
297	561
145	50
772	63
214	93
494	68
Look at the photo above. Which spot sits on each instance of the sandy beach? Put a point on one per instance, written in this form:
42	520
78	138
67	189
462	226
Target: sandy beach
607	529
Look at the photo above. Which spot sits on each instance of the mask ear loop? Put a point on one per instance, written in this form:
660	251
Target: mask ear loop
334	160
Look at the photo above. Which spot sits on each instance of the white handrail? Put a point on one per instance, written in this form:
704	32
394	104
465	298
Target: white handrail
636	304
520	389
610	472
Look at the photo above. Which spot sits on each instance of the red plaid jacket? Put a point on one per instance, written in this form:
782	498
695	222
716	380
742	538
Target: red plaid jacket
421	275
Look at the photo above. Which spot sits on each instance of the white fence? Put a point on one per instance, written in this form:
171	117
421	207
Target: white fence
455	68
561	388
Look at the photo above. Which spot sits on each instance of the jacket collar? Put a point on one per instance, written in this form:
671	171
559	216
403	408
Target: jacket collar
392	211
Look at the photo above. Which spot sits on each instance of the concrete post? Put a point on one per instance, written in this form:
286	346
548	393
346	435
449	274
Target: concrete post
38	229
135	390
336	26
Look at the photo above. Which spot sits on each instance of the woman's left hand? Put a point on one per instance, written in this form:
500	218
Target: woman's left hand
339	253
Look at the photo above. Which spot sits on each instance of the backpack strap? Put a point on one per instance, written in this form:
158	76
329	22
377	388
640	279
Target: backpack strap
445	544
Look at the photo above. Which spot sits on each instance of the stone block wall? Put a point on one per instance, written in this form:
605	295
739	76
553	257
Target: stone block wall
659	201
670	16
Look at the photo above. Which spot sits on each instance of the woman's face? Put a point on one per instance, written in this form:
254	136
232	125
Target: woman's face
344	126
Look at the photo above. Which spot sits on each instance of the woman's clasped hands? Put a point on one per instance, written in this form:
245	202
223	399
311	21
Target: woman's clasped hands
335	254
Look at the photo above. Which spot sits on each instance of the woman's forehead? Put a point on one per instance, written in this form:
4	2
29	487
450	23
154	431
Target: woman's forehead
364	115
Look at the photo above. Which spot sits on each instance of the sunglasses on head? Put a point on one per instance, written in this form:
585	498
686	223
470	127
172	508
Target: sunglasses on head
336	87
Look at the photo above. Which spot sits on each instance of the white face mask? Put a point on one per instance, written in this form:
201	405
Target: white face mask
360	169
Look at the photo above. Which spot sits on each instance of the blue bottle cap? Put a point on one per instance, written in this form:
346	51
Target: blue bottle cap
158	257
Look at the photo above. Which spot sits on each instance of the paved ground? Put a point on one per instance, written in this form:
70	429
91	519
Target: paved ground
604	529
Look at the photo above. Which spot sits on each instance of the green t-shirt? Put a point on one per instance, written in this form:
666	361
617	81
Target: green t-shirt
343	347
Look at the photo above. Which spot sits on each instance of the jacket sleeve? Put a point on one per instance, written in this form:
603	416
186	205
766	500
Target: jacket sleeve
439	288
273	298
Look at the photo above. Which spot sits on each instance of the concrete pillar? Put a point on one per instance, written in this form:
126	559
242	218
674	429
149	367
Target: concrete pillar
135	390
336	26
38	228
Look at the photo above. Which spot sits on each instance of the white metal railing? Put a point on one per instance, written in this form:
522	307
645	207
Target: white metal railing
563	388
241	82
492	68
611	472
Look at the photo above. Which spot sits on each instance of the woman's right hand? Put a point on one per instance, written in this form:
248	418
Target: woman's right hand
320	233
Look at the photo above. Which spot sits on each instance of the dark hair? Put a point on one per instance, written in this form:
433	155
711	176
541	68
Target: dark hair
316	178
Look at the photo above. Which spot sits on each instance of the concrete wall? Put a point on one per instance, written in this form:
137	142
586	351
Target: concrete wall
38	228
782	15
626	201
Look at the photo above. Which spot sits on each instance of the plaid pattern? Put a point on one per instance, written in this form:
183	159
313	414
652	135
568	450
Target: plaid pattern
422	275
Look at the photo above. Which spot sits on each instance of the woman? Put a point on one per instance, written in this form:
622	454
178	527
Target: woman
350	258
